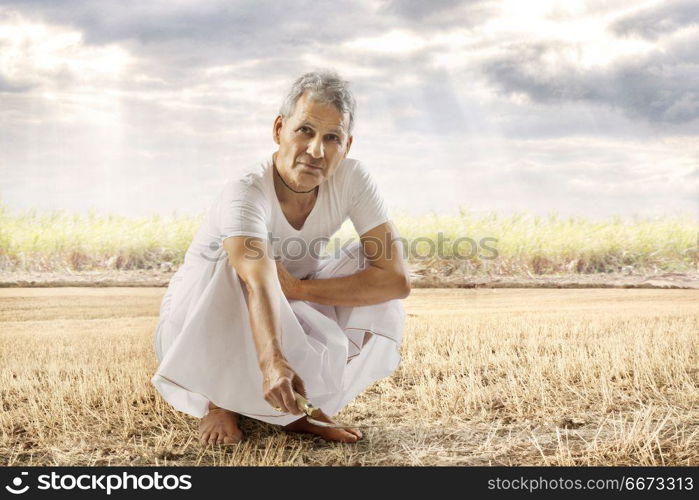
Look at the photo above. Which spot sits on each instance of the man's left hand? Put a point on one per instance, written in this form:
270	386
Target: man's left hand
291	285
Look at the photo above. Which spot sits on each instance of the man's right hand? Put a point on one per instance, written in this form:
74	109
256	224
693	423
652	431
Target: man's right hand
279	384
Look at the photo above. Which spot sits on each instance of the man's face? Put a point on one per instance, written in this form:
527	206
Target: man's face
312	143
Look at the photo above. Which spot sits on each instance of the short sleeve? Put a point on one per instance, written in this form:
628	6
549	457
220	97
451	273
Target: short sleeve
366	206
242	211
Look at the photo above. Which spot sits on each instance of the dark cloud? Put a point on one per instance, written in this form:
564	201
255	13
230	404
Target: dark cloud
175	43
196	34
575	10
659	86
659	20
416	9
437	14
202	34
243	22
174	38
7	86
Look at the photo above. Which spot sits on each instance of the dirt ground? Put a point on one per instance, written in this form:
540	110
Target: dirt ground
422	277
488	377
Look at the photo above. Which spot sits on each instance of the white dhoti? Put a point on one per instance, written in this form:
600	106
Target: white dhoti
207	353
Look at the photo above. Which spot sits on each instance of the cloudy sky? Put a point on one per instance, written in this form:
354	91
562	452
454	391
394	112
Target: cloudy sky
135	107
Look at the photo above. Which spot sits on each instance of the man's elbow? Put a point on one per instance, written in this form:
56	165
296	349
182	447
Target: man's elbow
403	286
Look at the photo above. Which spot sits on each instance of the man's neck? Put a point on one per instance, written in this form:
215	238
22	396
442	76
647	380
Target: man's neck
287	196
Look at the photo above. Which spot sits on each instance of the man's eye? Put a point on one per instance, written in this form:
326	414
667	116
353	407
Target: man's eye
333	138
305	130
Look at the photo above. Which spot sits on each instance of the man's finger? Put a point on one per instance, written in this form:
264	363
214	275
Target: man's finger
274	402
298	385
289	400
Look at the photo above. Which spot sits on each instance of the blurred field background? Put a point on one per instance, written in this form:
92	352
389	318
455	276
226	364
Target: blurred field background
517	244
488	376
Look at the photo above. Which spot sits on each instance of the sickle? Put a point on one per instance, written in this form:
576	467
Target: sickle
313	411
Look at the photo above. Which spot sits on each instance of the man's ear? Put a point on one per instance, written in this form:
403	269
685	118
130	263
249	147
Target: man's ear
277	128
349	145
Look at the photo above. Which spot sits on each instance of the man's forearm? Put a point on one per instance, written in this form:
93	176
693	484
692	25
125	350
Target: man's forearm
367	287
264	322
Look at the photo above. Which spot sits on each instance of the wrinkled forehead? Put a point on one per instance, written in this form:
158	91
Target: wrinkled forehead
320	113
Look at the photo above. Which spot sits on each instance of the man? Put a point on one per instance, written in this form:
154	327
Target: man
243	329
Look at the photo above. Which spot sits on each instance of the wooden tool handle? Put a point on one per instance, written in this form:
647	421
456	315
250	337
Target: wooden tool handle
306	406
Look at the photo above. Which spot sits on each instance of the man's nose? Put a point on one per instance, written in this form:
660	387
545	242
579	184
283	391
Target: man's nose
315	147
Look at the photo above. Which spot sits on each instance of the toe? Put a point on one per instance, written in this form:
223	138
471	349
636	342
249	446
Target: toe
213	437
356	432
350	438
204	438
231	439
345	437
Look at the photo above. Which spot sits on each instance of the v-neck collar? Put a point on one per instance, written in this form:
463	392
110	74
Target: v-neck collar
278	205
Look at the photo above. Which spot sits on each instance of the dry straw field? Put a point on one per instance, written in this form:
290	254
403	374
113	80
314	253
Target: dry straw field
554	377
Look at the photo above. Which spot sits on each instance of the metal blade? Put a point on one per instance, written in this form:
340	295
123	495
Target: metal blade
313	411
337	425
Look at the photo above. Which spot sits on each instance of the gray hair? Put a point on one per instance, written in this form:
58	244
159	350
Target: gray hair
327	87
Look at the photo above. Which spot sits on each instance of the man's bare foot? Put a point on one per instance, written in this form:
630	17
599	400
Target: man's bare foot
219	426
348	435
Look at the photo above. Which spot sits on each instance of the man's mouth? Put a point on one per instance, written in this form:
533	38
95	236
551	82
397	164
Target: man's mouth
310	166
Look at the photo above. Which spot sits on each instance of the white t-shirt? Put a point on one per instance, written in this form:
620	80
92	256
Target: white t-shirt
248	206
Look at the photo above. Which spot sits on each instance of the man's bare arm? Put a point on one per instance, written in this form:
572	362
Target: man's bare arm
386	277
248	256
